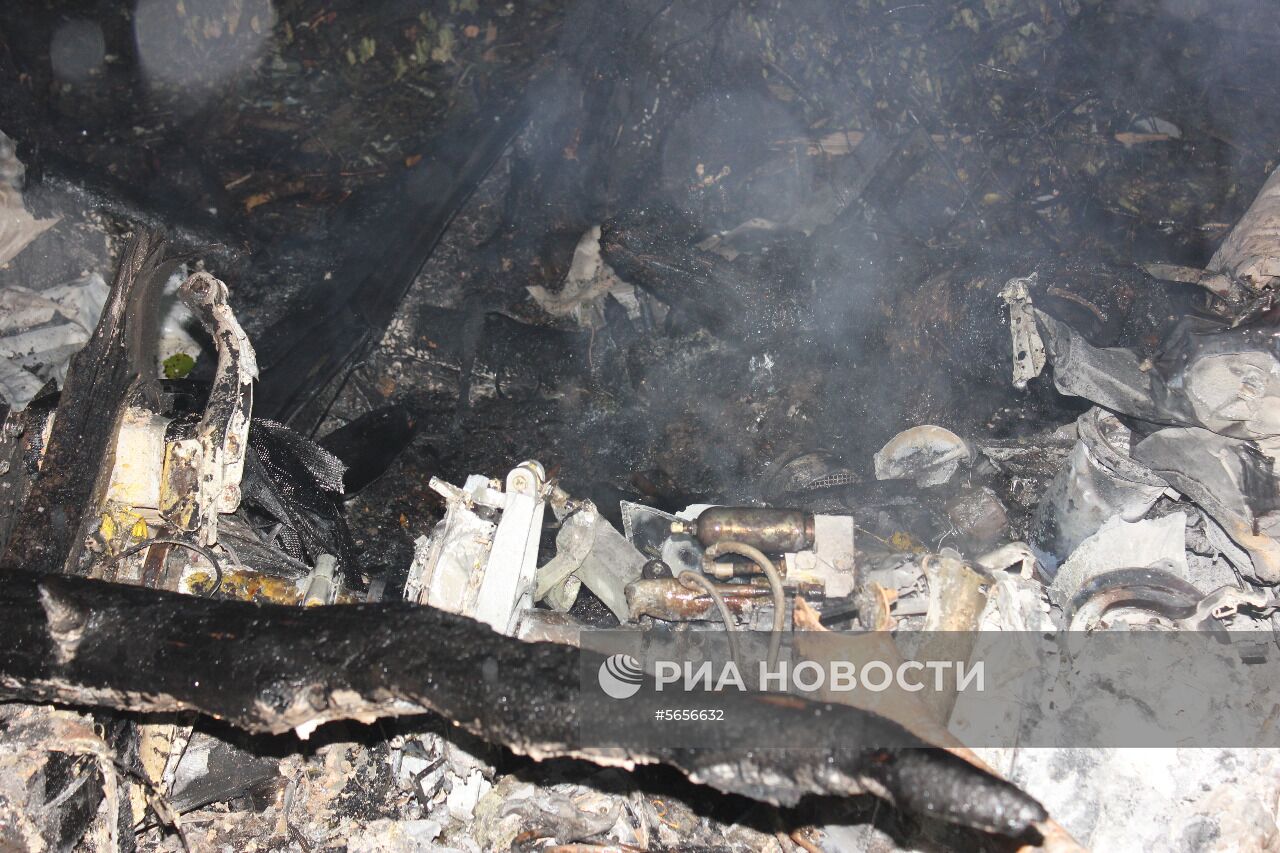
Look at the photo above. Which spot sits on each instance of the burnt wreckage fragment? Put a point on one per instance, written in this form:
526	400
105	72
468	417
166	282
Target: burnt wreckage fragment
191	493
690	269
1197	416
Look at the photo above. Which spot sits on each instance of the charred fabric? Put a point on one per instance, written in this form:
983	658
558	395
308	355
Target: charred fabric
257	543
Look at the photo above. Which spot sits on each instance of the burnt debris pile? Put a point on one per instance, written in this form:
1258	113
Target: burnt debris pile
400	400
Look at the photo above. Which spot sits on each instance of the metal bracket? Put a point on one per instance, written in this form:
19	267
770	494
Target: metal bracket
477	567
201	475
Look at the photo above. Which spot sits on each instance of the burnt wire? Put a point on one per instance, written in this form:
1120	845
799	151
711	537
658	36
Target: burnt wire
191	546
235	558
166	815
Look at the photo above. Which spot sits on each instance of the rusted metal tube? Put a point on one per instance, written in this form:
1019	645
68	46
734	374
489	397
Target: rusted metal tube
773	531
669	600
672	601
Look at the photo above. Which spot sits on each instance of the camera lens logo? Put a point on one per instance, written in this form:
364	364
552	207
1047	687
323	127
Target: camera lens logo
620	676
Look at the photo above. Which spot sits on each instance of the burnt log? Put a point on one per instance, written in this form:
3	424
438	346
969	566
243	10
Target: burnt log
268	668
45	535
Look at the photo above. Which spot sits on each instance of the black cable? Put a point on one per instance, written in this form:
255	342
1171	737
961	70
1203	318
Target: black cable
162	540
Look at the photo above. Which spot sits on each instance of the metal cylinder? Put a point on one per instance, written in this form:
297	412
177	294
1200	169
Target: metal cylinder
774	531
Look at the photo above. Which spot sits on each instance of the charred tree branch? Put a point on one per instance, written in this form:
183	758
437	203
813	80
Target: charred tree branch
271	669
93	396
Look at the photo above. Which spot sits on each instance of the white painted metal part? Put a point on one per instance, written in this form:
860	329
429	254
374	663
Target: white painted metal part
477	567
831	562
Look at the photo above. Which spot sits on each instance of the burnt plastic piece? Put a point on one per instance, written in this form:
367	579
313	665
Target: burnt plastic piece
368	445
294	482
1231	480
213	771
1208	375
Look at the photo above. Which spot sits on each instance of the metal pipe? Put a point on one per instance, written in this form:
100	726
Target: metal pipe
691	578
754	554
672	601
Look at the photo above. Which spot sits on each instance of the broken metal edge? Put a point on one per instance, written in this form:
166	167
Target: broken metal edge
268	668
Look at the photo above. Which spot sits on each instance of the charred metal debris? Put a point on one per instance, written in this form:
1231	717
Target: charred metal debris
438	335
